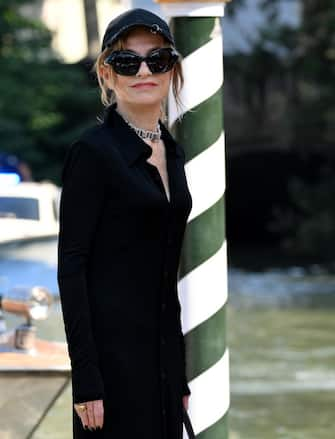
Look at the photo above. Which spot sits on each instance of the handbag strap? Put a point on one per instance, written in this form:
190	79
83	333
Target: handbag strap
188	425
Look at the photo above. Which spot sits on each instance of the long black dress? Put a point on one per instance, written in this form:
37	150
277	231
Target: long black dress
119	247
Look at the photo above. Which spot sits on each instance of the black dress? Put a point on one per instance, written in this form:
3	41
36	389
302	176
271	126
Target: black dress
118	256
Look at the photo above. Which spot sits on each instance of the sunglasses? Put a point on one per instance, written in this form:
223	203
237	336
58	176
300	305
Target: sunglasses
127	63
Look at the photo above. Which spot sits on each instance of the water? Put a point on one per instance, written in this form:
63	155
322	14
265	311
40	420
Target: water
281	337
28	265
281	330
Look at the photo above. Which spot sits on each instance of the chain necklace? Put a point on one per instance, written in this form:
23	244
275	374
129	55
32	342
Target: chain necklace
145	134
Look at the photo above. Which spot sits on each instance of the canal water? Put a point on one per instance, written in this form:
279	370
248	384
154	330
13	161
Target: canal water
281	331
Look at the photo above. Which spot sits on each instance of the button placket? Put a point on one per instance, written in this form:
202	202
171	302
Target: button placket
158	179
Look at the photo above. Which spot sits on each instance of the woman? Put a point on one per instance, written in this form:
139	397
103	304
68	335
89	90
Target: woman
123	212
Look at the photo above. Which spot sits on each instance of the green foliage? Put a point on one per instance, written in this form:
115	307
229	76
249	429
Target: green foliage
232	7
286	89
44	103
309	227
294	68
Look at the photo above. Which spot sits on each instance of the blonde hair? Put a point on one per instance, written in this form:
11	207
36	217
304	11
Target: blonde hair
108	96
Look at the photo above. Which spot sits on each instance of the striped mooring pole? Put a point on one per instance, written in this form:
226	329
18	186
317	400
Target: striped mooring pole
202	283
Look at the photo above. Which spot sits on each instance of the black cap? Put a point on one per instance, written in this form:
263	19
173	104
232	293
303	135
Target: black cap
132	18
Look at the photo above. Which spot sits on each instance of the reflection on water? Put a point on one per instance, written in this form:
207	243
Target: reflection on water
281	337
282	354
274	288
28	265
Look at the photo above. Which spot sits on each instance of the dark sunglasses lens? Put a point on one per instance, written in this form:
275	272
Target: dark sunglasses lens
126	64
162	60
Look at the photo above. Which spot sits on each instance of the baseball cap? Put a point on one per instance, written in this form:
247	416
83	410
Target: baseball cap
133	18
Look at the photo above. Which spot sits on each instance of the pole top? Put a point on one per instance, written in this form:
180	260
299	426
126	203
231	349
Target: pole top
193	8
192	1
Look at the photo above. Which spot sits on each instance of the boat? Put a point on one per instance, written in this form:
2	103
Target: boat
29	211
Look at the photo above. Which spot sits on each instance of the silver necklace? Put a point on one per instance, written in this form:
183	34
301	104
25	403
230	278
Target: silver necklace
145	134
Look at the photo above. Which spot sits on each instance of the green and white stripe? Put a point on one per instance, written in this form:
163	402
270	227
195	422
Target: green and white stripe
203	271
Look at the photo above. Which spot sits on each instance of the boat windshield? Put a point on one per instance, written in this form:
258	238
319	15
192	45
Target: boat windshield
19	207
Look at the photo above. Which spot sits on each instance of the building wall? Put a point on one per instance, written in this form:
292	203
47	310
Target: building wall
66	19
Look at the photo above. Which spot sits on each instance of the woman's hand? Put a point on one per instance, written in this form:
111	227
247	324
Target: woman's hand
91	417
185	401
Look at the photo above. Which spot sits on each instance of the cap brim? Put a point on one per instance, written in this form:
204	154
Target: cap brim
125	29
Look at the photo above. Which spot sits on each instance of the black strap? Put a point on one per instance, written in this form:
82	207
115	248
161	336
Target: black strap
188	425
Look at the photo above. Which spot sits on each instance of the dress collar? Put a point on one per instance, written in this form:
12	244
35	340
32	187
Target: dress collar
131	145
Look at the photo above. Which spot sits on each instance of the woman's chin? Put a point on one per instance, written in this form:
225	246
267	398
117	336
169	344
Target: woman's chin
147	100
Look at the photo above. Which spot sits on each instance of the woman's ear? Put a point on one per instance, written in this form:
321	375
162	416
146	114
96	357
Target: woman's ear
104	72
101	73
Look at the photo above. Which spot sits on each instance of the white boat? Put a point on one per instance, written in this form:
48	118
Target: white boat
29	211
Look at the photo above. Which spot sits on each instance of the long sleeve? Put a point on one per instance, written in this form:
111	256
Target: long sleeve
185	388
80	205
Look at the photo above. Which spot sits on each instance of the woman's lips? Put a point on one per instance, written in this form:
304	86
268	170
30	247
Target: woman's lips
144	85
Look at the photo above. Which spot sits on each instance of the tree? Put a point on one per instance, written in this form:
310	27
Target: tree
44	102
92	31
286	83
303	61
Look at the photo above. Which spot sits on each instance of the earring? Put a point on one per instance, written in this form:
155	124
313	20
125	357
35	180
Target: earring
163	115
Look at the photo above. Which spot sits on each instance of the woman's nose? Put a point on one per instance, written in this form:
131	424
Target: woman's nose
144	69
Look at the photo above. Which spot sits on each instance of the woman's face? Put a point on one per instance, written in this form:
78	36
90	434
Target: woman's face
144	88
